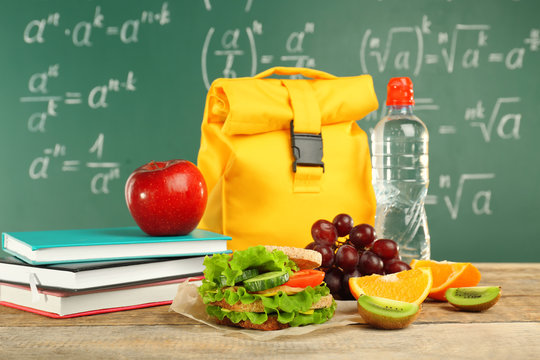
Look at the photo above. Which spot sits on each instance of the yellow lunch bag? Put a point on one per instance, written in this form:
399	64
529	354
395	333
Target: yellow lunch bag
280	153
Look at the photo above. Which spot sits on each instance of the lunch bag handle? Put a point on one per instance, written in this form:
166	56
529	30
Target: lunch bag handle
287	71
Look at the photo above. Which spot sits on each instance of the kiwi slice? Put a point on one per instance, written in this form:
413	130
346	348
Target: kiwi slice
386	313
478	298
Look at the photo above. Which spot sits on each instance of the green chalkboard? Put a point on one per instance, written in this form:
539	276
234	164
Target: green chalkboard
90	90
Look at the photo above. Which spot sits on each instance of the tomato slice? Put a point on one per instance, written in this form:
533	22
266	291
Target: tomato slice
305	278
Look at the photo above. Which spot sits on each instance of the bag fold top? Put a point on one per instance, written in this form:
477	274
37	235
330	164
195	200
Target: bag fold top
248	106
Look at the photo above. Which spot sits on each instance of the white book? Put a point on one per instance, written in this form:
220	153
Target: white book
88	275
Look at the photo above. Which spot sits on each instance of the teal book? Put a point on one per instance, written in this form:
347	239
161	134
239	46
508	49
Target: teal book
65	246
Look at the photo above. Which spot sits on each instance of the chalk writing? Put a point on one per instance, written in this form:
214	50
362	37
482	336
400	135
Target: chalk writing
401	61
105	171
94	96
294	46
81	34
533	40
421	105
230	48
463	46
235	44
208	5
97	95
508	124
481	202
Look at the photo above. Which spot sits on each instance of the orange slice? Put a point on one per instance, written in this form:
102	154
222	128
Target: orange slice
410	285
447	274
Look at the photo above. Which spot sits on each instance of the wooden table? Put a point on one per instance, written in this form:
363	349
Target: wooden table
509	330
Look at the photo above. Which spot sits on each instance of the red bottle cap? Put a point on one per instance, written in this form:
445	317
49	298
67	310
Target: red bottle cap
400	92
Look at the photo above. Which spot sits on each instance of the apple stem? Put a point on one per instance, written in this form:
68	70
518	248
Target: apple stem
154	165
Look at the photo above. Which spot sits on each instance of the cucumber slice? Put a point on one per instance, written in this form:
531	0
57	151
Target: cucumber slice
247	274
266	281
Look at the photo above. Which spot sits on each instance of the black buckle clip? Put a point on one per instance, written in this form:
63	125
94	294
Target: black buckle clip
307	149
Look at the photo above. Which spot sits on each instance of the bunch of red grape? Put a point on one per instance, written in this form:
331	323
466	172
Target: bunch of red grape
352	251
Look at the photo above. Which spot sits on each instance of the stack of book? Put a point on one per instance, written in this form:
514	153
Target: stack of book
69	273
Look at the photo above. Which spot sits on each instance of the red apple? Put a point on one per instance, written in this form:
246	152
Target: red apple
166	197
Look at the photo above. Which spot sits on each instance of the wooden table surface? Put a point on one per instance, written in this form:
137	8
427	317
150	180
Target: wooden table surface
509	330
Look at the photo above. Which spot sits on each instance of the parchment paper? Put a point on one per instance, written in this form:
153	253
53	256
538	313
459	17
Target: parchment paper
188	303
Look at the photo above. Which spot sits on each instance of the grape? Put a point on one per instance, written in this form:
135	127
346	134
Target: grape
395	265
369	263
327	255
345	289
358	255
347	258
385	248
361	236
324	232
343	223
333	280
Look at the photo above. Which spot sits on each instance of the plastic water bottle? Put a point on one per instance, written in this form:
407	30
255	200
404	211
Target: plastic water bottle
399	146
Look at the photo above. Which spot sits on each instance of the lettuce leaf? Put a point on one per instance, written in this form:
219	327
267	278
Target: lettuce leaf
236	317
301	301
256	257
290	309
294	318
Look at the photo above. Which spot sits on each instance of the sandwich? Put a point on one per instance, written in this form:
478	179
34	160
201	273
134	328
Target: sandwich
266	288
